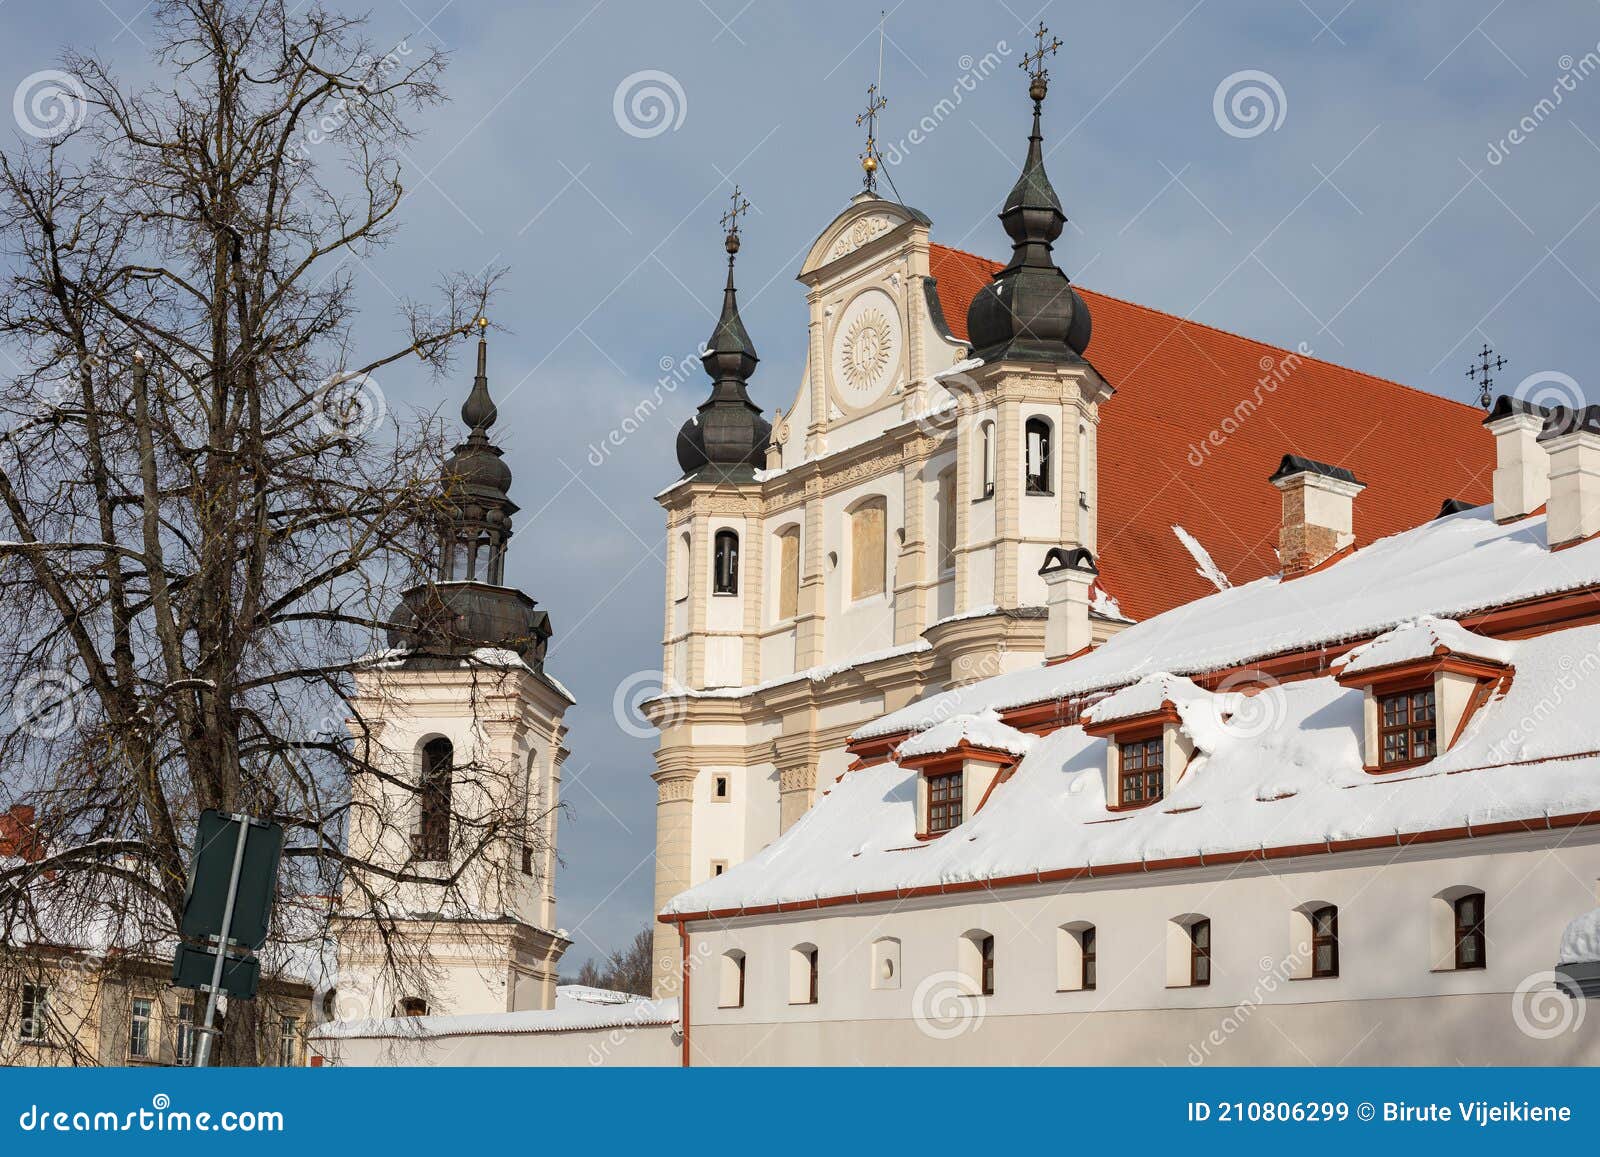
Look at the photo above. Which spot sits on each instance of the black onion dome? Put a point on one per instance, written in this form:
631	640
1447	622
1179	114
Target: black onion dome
477	467
1029	311
727	434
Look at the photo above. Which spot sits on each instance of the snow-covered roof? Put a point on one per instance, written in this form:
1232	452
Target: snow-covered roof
1423	638
1286	773
1449	567
983	730
577	1007
1580	943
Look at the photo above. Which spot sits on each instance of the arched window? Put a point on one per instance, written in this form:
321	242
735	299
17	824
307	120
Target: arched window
731	994
725	568
1075	957
985	462
1325	941
1188	951
431	840
1083	465
947	520
1037	444
788	572
1314	940
412	1006
680	569
1469	933
869	548
803	974
976	952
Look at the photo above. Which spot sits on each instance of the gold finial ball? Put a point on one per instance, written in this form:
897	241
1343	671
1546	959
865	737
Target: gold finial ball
869	163
731	243
483	323
1037	90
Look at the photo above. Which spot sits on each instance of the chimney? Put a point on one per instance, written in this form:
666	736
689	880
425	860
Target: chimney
1522	463
1572	441
1068	573
1318	512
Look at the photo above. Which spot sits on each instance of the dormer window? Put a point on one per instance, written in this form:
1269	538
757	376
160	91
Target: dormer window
1147	749
961	761
1422	682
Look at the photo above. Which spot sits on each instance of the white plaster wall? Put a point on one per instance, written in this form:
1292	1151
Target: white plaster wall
719	828
655	1046
1534	886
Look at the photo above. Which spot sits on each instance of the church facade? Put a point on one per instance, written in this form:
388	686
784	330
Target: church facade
957	420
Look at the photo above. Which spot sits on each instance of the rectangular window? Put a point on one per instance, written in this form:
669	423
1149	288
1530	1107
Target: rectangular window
725	568
986	947
1406	726
789	573
1086	939
944	802
1470	940
527	858
720	790
289	1042
35	1012
1200	953
1143	777
140	1013
718	867
184	1053
1037	439
811	995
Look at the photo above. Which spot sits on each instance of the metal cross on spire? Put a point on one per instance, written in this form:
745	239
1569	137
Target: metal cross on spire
870	158
738	207
1482	372
1033	63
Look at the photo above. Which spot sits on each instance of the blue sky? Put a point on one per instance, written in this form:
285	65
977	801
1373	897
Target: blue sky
1370	223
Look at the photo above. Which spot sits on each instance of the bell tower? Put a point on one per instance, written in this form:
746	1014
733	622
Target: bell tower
449	902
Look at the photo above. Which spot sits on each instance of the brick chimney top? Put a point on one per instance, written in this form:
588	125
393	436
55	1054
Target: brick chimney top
1318	512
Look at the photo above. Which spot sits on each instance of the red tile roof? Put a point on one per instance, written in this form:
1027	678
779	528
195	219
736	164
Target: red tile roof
1177	382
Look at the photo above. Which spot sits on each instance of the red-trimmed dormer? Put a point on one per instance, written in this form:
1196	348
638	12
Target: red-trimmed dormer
1423	681
959	763
1147	750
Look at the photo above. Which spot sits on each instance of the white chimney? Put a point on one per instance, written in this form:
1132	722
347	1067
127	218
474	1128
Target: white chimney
1318	512
1573	443
1522	463
1068	573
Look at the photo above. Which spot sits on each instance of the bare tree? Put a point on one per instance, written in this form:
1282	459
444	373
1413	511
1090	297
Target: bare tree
628	970
209	514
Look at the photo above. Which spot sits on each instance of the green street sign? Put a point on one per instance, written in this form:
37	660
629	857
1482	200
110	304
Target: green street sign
193	966
205	903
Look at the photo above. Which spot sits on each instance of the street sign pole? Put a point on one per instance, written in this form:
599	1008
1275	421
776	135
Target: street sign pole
203	1053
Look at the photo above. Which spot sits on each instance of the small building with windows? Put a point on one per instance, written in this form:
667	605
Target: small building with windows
1344	814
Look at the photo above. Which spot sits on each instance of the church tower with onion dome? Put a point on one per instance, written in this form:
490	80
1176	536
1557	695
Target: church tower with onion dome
463	729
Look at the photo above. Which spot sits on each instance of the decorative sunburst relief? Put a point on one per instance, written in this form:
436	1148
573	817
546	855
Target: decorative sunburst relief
866	349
